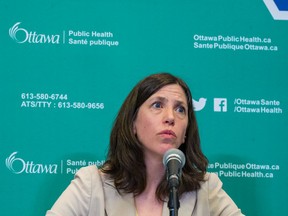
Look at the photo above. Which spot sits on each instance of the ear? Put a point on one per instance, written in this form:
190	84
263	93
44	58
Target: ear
134	129
184	138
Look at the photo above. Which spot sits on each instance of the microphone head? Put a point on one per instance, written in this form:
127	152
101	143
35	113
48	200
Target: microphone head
174	154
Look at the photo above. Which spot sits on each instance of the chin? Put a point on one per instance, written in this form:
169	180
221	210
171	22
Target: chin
166	147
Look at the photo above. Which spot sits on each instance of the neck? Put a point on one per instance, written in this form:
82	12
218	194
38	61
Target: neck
154	172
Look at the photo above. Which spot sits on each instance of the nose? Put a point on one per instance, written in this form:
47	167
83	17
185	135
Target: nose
169	117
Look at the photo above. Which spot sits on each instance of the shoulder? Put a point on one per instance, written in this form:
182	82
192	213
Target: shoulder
211	181
95	176
87	179
86	188
90	176
211	177
87	172
217	199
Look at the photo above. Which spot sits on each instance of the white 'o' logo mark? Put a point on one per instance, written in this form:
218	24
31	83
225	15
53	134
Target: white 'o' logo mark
13	31
12	159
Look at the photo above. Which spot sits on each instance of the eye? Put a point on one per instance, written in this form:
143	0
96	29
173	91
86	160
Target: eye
157	105
181	109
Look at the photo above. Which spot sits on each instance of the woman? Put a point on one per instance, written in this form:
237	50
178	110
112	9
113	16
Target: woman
156	116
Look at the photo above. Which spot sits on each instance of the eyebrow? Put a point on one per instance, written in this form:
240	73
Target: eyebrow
164	99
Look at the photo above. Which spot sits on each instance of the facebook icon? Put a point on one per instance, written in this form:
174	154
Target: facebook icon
220	104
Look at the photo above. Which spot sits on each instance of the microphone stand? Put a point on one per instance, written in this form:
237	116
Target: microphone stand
173	203
174	160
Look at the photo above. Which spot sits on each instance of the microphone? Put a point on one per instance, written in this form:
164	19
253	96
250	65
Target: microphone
174	160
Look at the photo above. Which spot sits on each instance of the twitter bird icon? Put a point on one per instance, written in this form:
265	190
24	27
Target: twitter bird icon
199	105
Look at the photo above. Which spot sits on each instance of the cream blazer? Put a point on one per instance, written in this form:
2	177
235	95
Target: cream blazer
92	194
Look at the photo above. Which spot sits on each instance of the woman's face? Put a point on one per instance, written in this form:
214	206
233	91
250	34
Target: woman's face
162	120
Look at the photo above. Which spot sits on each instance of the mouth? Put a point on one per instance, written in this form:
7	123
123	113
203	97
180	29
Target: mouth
169	133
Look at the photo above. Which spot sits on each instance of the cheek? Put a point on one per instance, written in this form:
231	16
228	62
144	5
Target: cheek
138	124
142	125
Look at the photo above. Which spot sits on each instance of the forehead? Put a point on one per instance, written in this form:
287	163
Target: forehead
171	91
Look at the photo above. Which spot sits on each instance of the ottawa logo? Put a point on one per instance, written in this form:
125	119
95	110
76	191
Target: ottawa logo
21	35
18	165
277	8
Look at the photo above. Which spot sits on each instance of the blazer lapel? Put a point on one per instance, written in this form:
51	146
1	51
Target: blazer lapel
116	204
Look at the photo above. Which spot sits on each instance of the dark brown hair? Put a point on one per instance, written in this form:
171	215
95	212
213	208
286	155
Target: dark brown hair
125	161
